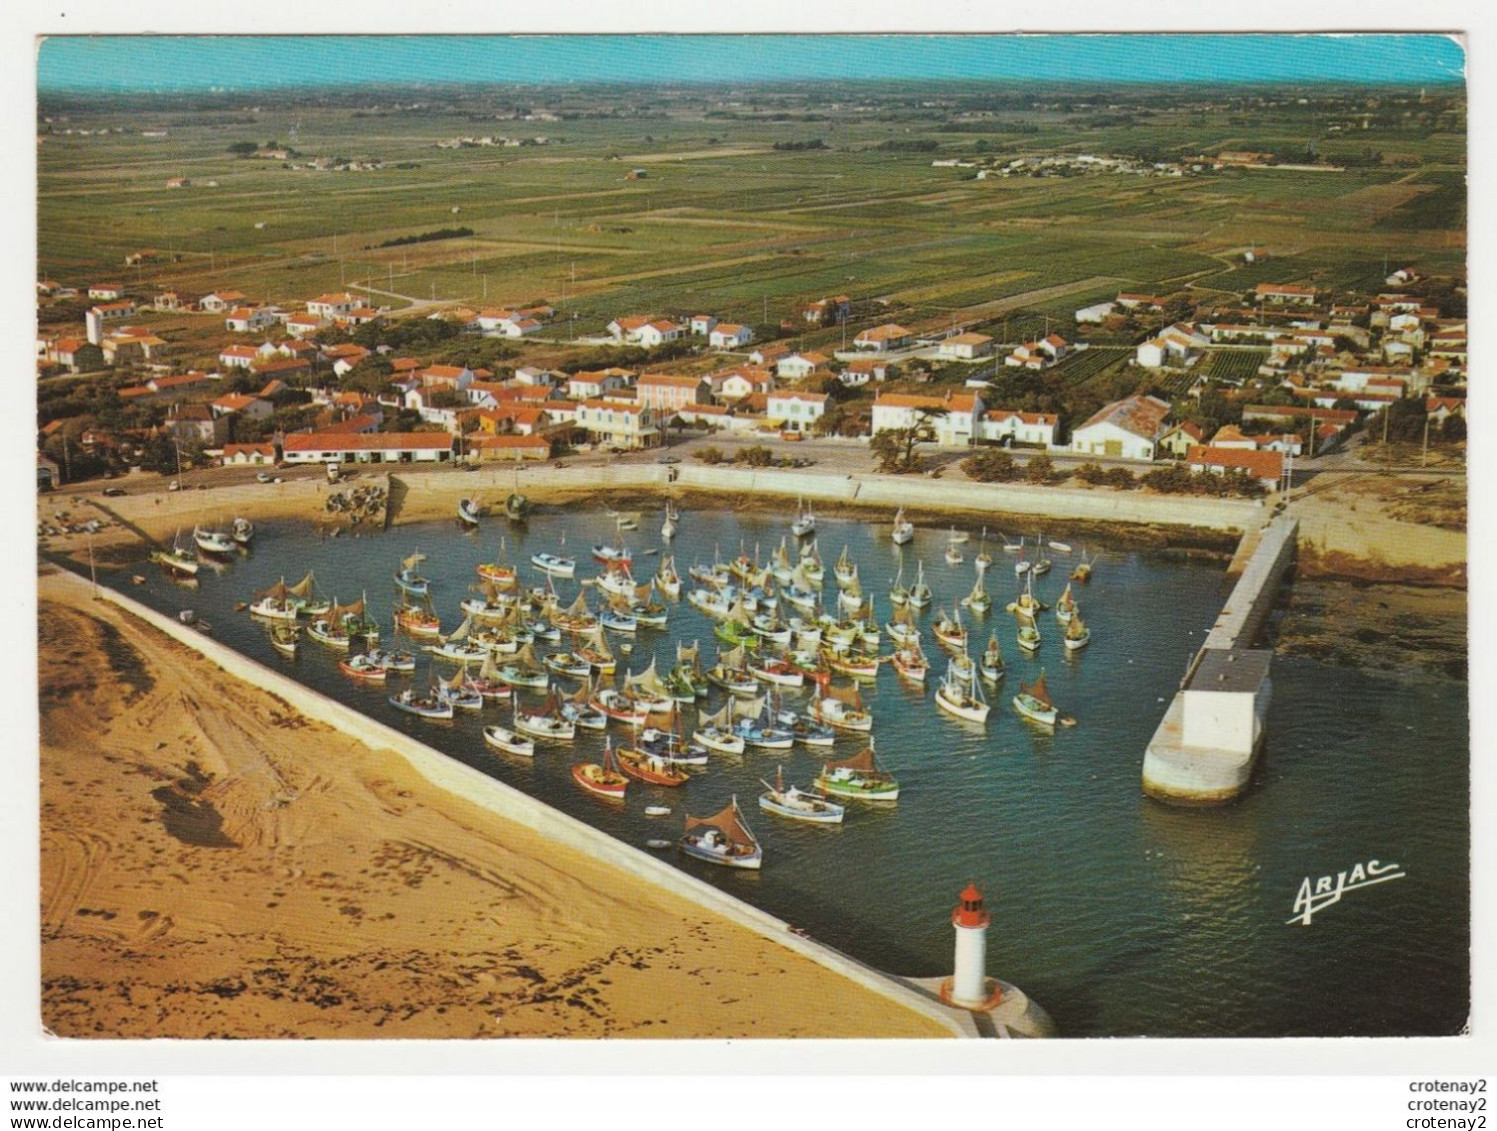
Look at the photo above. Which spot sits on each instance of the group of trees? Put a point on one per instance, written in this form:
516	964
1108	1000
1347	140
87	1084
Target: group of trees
997	465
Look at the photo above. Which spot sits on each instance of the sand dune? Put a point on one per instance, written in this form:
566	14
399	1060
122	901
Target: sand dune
214	864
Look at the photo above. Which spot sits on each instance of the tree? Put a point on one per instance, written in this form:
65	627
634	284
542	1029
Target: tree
1453	431
1091	473
893	451
991	465
1039	469
243	148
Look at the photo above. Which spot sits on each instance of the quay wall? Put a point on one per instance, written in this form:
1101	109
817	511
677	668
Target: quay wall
512	804
1178	773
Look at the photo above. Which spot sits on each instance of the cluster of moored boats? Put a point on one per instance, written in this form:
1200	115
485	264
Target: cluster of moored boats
210	542
548	667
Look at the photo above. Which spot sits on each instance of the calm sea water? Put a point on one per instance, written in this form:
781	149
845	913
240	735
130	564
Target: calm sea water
1121	915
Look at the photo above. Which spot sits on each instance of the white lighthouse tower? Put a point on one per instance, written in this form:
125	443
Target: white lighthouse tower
969	982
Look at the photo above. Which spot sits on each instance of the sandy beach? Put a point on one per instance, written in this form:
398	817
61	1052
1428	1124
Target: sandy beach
215	864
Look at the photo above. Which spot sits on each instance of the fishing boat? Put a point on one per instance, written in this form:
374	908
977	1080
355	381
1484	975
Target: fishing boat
651	768
801	591
176	559
1011	547
593	648
983	558
283	638
859	777
1029	636
363	666
601	779
210	541
777	671
954	552
841	708
1027	604
920	595
1033	702
493	606
550	724
904	531
787	801
648	692
425	708
670	746
810	564
990	664
330	633
242	531
1083	570
417	620
353	618
715	731
909	661
672	522
619	707
487	682
453	693
757	727
568	664
397	661
500	573
850	597
962	696
618	620
806	730
605	554
722	839
732	675
667	580
899	592
858	665
1065	607
978	600
617	580
711	602
554	564
516	507
779	563
950	631
1021	567
576	618
845	572
1077	635
581	713
523	670
805	522
507	740
468	511
407	580
275	603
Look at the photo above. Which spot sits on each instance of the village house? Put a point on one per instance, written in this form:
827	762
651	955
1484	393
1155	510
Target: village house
1011	427
666	392
300	325
220	301
108	311
729	335
737	384
827	311
593	384
238	357
77	355
954	419
862	370
174	301
1095	315
282	368
795	411
767	357
1284	294
966	347
639	330
1439	409
194	424
1265	468
334	306
375	447
701	324
246	319
511	448
242	404
1179	439
1177	345
130	347
1126	429
882	339
239	455
619	425
1141	303
106	291
798	365
506	324
1038	355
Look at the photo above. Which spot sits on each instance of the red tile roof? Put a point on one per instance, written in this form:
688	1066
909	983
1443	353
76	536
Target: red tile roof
1260	465
371	442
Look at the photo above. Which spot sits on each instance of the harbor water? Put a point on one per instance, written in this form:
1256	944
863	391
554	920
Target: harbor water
1121	915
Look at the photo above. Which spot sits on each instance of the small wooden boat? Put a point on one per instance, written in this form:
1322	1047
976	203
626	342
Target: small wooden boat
1077	635
396	661
1029	637
601	779
363	666
210	541
950	631
242	531
858	777
777	671
425	708
911	664
1011	547
983	558
1033	702
978	600
508	741
554	564
568	664
787	801
1065	607
904	531
416	620
1041	564
722	839
806	730
283	637
961	696
845	572
551	724
657	810
523	670
456	695
805	522
1083	570
1061	547
919	592
672	522
499	573
810	565
516	507
842	709
667	580
619	707
468	511
407	580
651	769
990	665
715	731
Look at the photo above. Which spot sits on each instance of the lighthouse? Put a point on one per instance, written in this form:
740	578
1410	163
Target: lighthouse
969	982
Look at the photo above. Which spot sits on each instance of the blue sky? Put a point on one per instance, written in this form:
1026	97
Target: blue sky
244	62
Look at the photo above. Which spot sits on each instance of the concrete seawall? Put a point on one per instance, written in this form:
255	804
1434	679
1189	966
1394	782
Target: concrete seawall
512	804
1177	770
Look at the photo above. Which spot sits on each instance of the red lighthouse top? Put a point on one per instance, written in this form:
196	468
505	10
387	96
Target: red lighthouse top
970	912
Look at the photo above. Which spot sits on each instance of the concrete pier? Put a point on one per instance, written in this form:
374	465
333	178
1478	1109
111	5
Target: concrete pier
1215	727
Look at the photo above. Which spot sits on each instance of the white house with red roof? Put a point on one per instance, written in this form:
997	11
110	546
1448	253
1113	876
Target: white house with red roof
1284	294
801	365
220	301
794	411
1127	429
1265	468
242	404
106	291
637	330
592	384
506	324
955	419
740	382
837	308
334	306
701	324
668	392
246	319
729	336
1011	426
238	357
619	424
301	325
965	347
889	336
372	447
